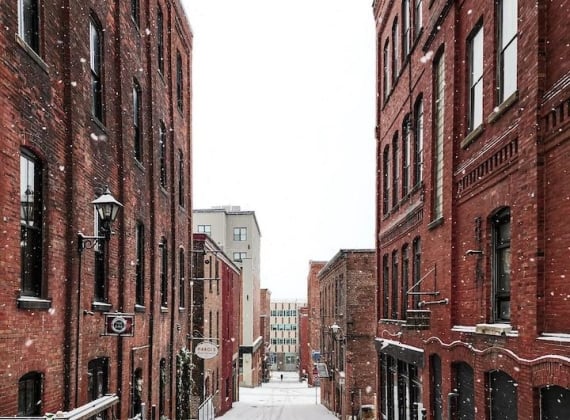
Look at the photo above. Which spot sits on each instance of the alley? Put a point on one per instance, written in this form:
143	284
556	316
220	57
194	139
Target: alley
279	400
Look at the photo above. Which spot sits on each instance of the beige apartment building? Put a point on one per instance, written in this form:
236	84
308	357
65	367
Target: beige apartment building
236	232
284	344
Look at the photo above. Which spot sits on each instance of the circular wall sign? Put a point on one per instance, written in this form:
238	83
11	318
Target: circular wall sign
119	325
206	350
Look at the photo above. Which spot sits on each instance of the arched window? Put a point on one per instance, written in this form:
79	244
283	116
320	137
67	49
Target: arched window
405	280
501	229
464	384
417	270
554	403
162	388
503	398
418	141
30	394
386	180
137	389
439	133
395	285
395	170
181	277
386	62
31	224
162	154
137	121
395	51
406	35
96	63
406	155
163	273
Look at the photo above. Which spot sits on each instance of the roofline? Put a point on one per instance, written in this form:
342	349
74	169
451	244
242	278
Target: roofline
341	254
229	213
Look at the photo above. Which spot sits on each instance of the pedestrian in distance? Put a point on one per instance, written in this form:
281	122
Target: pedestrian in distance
281	377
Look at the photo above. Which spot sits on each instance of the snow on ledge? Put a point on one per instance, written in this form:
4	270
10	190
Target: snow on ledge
559	337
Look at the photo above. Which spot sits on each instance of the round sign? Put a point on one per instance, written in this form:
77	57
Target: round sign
206	350
119	325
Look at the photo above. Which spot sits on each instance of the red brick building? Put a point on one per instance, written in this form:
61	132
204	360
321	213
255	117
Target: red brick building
305	360
348	298
472	147
265	326
94	95
216	280
314	307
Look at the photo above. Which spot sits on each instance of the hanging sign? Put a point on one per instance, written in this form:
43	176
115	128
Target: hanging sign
206	350
119	324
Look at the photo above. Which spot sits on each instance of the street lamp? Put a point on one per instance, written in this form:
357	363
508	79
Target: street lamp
339	337
107	208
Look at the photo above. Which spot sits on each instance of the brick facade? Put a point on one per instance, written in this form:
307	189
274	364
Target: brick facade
314	306
55	331
348	296
216	279
488	208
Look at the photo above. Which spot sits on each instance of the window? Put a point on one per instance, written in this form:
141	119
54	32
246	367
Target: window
240	234
181	179
31	221
205	229
386	62
29	23
137	121
406	39
181	282
239	256
179	83
395	52
419	141
418	19
395	170
100	269
438	126
394	288
160	39
554	403
507	11
502	396
501	226
98	380
139	298
416	270
475	101
137	388
406	155
405	280
135	12
163	273
464	384
162	388
435	383
385	287
30	394
96	60
162	154
401	389
386	180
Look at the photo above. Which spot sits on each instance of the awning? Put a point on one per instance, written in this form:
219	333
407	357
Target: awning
409	354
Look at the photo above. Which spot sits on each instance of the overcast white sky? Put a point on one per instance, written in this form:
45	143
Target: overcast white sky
283	119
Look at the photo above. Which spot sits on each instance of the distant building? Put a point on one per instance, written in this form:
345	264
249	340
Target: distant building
284	335
473	140
265	319
314	314
305	360
215	282
237	233
348	296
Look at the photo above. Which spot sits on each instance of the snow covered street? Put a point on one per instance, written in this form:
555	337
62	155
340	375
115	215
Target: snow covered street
279	400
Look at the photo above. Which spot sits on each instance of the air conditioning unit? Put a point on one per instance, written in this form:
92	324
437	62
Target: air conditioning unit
418	319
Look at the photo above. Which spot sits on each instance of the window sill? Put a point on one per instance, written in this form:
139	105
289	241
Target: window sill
181	309
502	108
164	309
31	302
101	306
479	329
493	329
34	55
555	337
140	308
472	136
437	222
